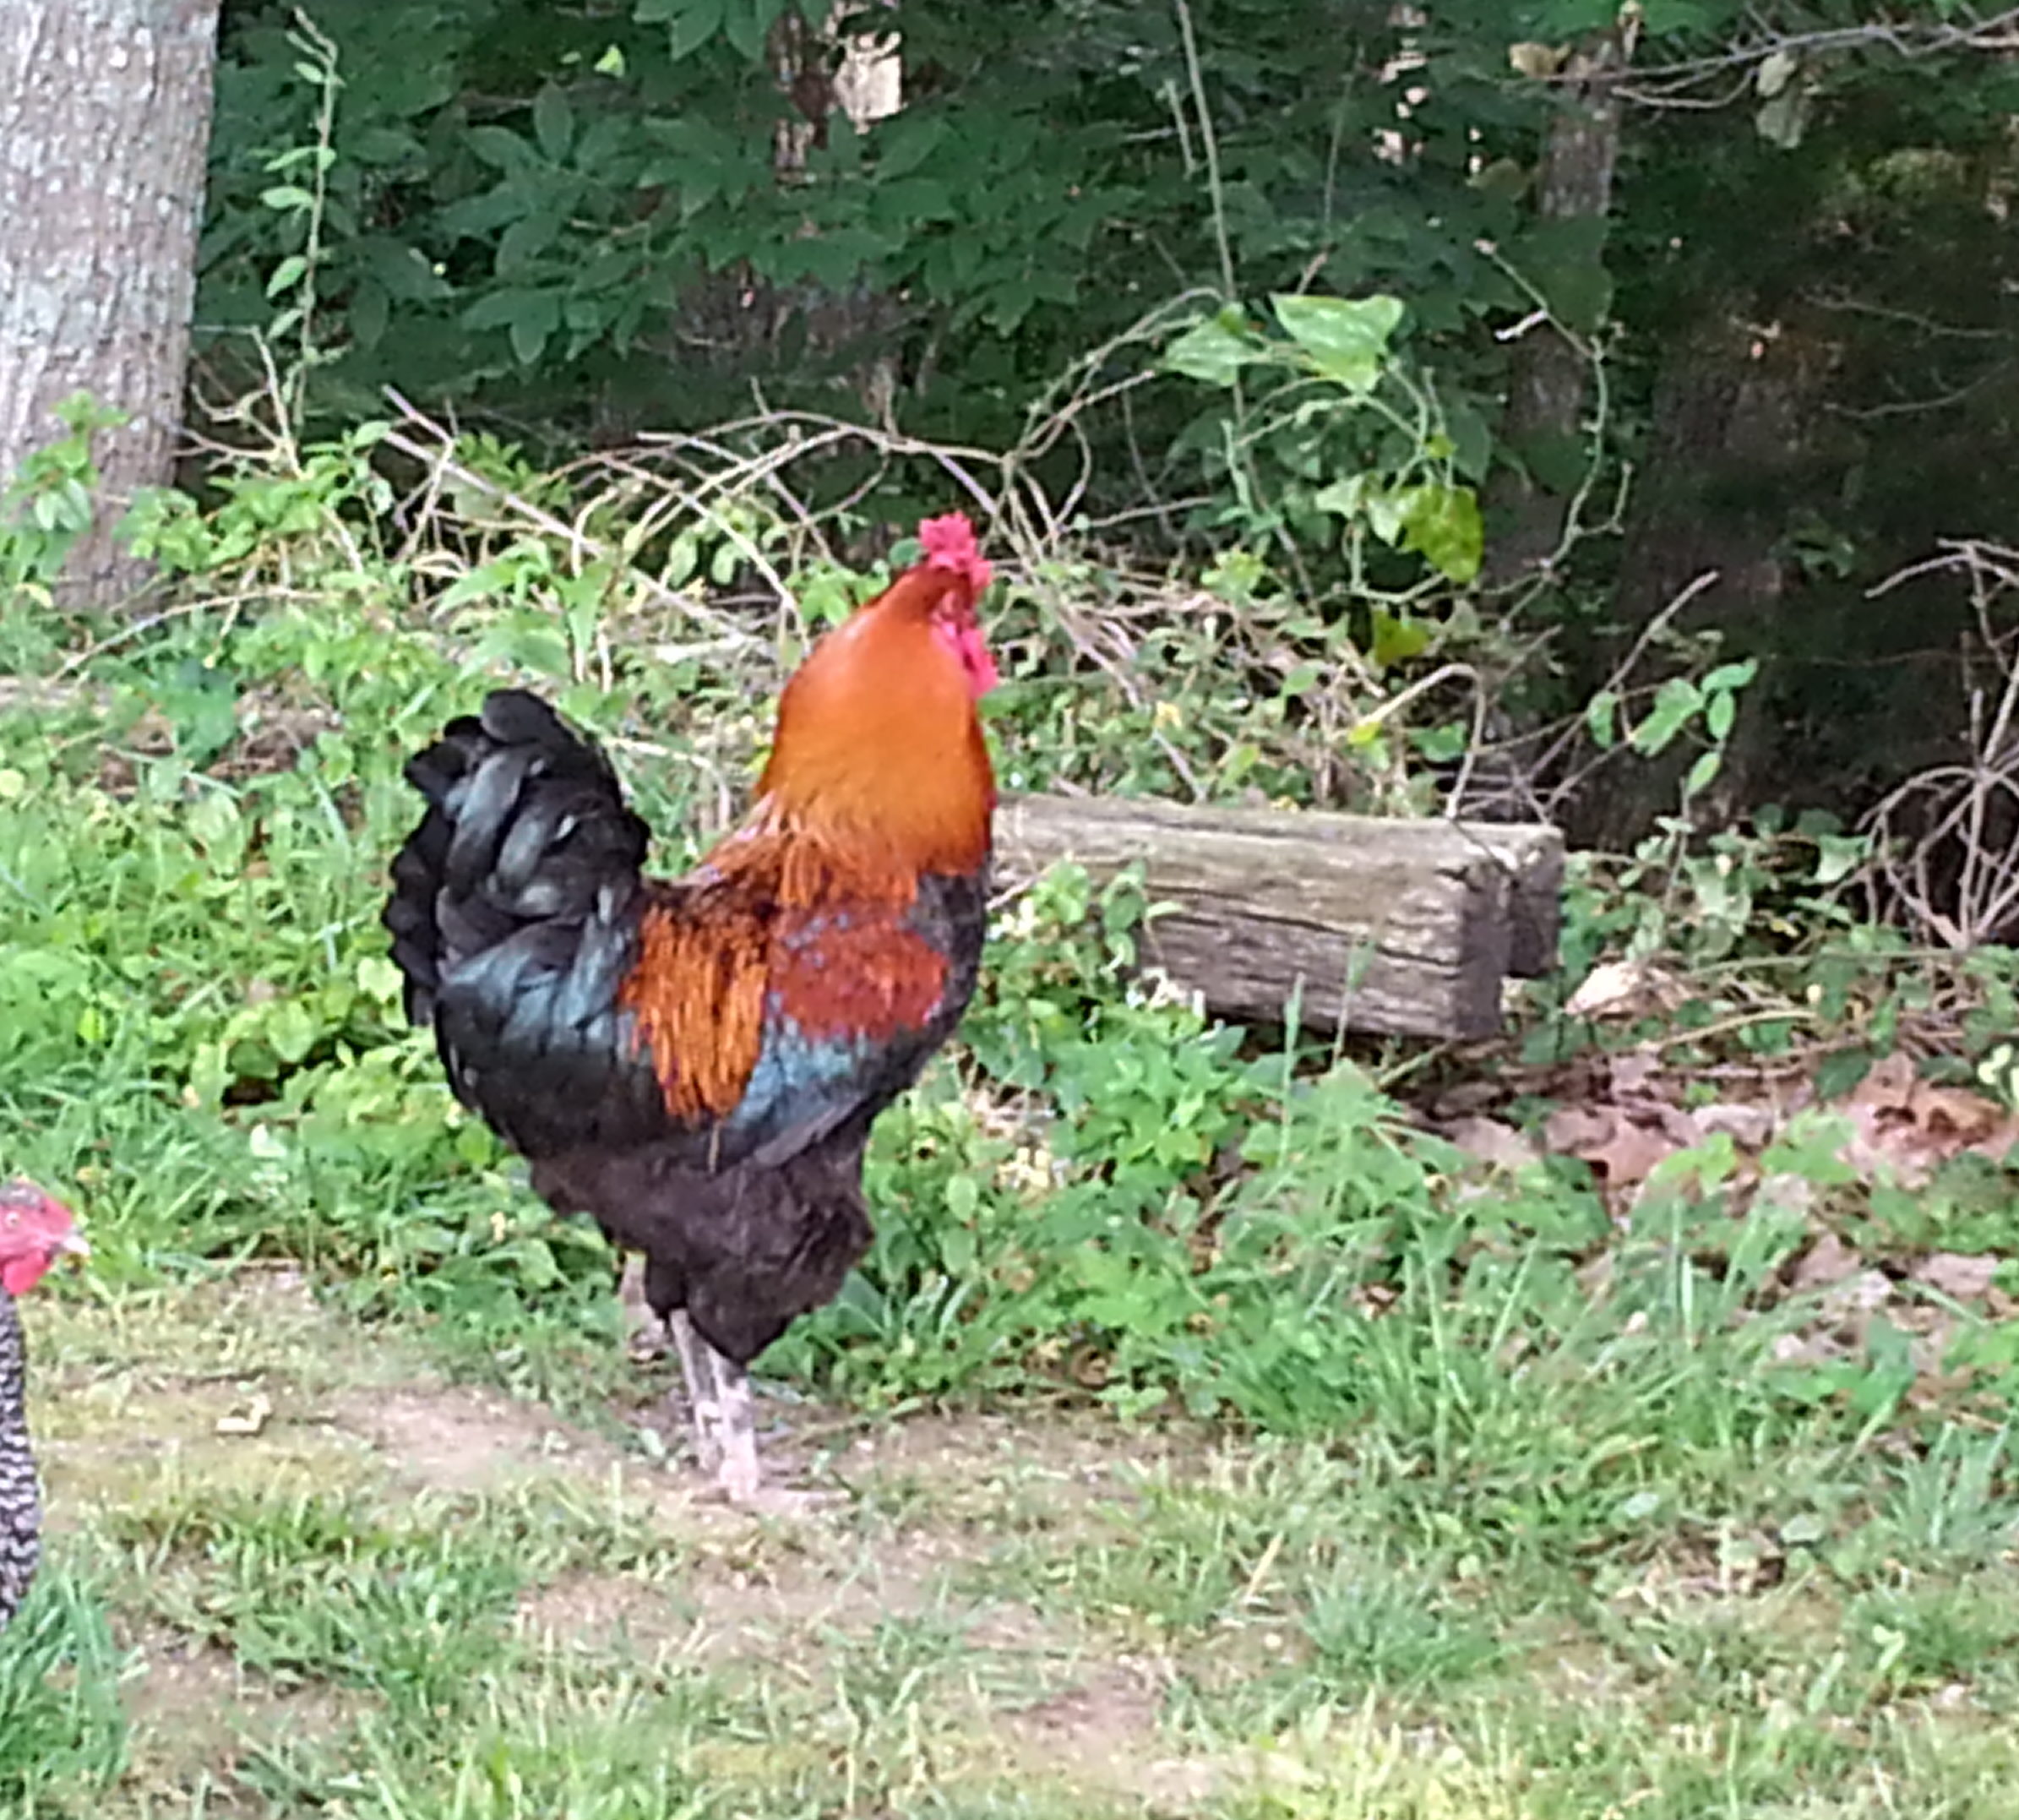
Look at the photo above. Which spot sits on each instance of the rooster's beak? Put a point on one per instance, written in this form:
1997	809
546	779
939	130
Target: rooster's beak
74	1244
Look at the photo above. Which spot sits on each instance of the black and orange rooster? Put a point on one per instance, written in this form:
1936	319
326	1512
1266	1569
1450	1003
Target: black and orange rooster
696	1063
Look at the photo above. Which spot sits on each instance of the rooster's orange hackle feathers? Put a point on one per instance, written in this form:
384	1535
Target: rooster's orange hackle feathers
898	678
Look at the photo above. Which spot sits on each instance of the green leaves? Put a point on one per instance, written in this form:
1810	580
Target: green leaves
1442	525
1681	699
692	23
1343	339
553	124
529	318
1564	261
1215	349
1409	499
1437	520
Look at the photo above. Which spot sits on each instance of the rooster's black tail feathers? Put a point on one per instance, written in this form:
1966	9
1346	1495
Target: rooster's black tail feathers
526	824
514	917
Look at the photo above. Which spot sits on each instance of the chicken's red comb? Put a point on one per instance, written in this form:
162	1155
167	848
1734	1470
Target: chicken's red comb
34	1229
948	542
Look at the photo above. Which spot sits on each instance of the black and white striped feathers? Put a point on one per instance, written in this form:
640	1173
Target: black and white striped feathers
34	1231
20	1499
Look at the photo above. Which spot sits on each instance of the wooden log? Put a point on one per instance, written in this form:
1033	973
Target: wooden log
1404	927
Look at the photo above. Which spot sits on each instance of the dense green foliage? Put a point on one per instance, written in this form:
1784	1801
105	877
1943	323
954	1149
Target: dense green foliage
578	224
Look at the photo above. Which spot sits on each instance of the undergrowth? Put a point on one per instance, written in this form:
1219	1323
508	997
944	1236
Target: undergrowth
1100	1191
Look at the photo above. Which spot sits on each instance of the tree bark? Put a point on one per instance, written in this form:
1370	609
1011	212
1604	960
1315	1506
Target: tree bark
1549	382
737	327
105	123
1737	436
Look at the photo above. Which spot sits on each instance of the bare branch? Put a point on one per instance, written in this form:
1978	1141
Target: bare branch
1680	84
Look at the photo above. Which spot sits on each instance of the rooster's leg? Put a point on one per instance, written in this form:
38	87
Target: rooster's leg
644	1333
736	1471
725	1418
704	1397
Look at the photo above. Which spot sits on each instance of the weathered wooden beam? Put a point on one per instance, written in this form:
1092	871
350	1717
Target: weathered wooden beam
1405	928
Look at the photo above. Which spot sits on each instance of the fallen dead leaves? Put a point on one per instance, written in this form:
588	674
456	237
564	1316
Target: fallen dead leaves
1633	1117
1633	1120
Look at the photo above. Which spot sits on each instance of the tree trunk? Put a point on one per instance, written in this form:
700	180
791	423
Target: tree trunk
1543	434
105	121
1548	381
739	327
1733	449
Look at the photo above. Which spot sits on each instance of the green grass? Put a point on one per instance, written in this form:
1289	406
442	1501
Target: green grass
408	1596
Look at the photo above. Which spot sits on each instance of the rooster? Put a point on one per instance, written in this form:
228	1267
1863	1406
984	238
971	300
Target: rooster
35	1232
696	1063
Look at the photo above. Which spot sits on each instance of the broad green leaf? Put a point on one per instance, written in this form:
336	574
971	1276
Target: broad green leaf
903	202
691	23
1384	511
958	1250
1471	438
530	316
1732	675
498	147
1443	745
1556	461
291	1030
524	241
1345	338
1214	350
371	311
286	274
553	124
745	23
1776	70
1565	260
1395	640
1601	719
1702	772
906	142
1676	702
1347	497
1443	526
1838	856
1782	120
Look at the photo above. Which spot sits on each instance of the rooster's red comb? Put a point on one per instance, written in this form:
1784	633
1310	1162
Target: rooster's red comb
948	542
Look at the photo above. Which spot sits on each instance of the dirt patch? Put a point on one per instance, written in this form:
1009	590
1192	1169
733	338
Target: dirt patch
893	1592
1104	1734
197	1714
457	1439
